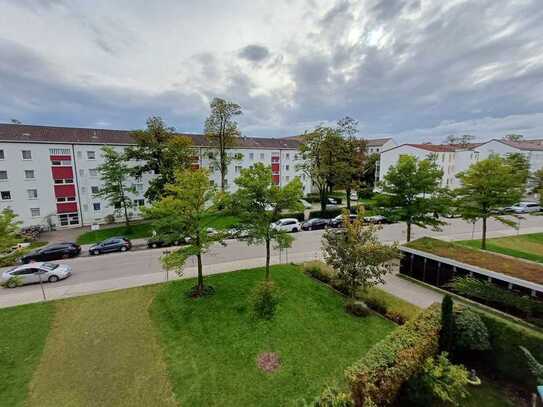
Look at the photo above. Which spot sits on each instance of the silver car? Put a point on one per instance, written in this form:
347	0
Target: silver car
33	272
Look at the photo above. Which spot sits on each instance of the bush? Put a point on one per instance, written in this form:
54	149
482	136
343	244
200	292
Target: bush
340	285
357	308
378	377
319	270
439	381
264	300
388	305
470	331
446	339
328	214
332	397
298	215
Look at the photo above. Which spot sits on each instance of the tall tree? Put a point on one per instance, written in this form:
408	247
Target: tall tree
357	255
221	129
486	187
160	151
521	166
186	202
411	193
9	230
446	337
537	184
368	177
114	174
462	140
513	137
260	202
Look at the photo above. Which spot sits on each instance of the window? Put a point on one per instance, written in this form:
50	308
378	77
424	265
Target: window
61	199
3	175
32	193
91	155
1	154
287	156
27	154
139	187
59	151
139	202
238	169
287	167
117	205
96	206
5	195
295	156
81	172
70	198
262	156
93	172
251	156
95	190
64	181
225	182
68	219
61	163
210	156
29	174
35	212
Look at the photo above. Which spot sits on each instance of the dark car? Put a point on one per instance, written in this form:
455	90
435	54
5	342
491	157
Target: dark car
315	223
337	222
113	244
52	252
164	241
377	219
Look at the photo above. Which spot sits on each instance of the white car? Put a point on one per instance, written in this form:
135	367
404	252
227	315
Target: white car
33	272
287	225
524	207
354	196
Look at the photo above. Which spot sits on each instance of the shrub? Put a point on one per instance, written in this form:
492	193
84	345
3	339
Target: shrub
264	300
319	270
378	377
332	397
446	338
329	214
439	381
357	308
470	332
340	285
388	305
297	215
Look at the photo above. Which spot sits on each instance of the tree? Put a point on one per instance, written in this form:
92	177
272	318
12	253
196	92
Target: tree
486	187
521	166
357	255
461	141
160	151
222	132
411	193
186	202
368	175
259	202
513	137
349	164
537	183
446	337
9	230
471	332
114	173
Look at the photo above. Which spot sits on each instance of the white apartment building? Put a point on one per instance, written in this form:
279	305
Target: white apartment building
377	145
454	159
48	175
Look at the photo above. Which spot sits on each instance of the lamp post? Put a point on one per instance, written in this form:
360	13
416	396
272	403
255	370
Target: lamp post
40	272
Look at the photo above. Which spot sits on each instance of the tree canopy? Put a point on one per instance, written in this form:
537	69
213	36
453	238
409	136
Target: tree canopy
9	230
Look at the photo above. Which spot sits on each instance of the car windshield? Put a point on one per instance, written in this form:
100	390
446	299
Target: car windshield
49	266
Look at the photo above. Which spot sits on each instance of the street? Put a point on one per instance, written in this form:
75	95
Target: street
122	270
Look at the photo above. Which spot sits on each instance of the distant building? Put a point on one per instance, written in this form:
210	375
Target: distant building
454	159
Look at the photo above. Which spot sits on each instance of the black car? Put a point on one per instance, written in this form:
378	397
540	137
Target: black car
54	251
315	223
164	241
113	244
337	222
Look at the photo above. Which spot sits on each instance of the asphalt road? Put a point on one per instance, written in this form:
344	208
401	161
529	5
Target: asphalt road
145	262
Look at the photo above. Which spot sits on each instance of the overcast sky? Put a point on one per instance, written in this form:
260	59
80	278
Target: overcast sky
416	70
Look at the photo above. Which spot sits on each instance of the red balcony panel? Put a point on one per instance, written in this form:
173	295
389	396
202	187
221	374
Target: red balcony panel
62	172
275	179
275	167
61	158
66	207
64	191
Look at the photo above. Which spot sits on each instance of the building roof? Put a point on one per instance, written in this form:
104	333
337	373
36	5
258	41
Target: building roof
444	148
76	135
377	142
527	145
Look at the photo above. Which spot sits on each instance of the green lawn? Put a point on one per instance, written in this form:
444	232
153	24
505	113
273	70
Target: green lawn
529	246
145	229
211	344
488	394
24	330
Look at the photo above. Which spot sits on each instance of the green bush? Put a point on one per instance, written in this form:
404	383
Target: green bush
297	215
328	214
470	331
388	305
380	374
319	270
332	397
264	300
446	338
340	285
439	382
357	308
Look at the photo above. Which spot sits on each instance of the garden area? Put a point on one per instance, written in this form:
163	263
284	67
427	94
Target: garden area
528	246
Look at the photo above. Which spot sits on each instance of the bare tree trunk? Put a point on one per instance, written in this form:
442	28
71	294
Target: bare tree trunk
200	274
126	221
323	198
408	231
483	239
267	259
348	197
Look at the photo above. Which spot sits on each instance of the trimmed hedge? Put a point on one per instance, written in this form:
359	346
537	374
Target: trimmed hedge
298	215
329	214
378	377
388	305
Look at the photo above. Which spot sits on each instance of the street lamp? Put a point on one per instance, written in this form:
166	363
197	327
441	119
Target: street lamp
40	272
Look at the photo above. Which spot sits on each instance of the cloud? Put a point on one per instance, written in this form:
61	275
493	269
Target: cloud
254	53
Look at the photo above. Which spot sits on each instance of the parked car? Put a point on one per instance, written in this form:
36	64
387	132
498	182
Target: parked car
376	219
164	241
235	233
54	251
113	244
524	207
287	225
337	222
32	273
315	223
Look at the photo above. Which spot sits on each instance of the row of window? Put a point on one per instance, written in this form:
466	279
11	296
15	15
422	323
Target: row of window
27	154
29	174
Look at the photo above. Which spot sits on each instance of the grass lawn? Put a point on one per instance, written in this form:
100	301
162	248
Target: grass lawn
145	229
24	330
488	394
211	345
529	246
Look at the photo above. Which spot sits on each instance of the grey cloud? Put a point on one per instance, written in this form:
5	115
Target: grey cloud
254	53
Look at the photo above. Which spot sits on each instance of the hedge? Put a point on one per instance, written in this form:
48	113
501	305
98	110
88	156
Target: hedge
298	215
505	359
329	214
378	377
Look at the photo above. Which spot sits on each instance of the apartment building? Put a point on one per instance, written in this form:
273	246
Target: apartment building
49	175
454	159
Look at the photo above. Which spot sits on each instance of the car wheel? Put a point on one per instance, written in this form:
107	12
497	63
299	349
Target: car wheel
123	249
53	279
309	228
96	252
295	230
11	284
153	245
